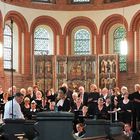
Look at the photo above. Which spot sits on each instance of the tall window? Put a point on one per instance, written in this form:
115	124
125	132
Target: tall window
82	42
41	40
119	35
7	47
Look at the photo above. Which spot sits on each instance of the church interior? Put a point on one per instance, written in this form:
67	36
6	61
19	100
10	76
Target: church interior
86	46
105	22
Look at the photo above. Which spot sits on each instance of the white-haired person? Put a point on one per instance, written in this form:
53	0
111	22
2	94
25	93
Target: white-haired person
30	94
26	107
12	91
83	95
77	106
124	89
93	97
39	100
100	111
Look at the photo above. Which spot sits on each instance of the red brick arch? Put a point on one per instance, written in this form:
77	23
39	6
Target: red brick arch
135	22
47	20
22	25
79	21
52	23
106	25
135	27
19	19
1	60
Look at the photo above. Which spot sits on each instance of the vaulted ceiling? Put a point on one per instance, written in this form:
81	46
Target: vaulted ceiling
72	6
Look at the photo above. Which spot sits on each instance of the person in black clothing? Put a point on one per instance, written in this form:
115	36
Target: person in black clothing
30	94
83	95
108	106
92	98
63	102
33	110
100	110
84	115
25	107
116	94
74	99
50	96
123	91
51	106
115	109
105	94
38	100
126	109
3	102
68	91
136	135
135	98
77	105
1	94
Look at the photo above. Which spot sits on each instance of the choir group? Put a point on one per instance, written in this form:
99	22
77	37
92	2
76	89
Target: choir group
115	104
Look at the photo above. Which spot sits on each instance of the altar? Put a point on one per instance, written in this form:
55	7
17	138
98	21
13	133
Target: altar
52	71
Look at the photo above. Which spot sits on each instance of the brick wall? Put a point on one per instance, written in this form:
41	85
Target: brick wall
19	80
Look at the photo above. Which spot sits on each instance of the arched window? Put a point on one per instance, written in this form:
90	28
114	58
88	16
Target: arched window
82	42
43	42
10	55
119	35
7	47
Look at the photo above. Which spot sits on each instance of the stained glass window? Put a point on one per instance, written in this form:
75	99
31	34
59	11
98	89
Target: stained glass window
82	42
80	1
119	35
41	41
7	47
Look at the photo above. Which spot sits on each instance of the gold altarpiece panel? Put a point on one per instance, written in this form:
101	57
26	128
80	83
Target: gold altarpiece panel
53	71
44	71
108	71
81	71
61	70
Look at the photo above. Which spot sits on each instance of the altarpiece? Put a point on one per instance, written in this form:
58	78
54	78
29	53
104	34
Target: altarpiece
52	71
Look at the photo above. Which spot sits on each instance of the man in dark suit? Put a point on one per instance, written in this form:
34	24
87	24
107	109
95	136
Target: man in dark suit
135	98
83	95
68	91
